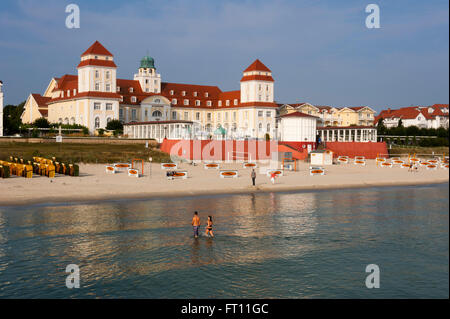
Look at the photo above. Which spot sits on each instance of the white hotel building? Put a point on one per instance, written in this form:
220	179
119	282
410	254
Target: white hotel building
151	108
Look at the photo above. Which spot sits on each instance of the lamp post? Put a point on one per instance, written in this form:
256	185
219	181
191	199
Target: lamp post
151	160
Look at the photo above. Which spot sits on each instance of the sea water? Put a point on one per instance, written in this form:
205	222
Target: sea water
267	245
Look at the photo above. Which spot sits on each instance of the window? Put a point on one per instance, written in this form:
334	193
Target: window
227	103
157	101
197	102
109	106
97	122
157	114
186	102
235	102
121	114
183	93
259	97
171	92
260	113
96	74
197	116
208	103
220	103
68	93
234	116
60	120
74	91
208	116
133	99
108	119
268	127
96	106
195	93
133	114
145	113
108	87
206	94
131	90
174	115
226	116
146	81
186	116
118	89
97	86
268	114
259	87
174	101
260	127
107	75
219	117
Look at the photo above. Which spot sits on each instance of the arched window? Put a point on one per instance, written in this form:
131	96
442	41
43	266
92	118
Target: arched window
66	120
208	127
72	120
260	127
60	120
157	114
268	127
97	122
108	120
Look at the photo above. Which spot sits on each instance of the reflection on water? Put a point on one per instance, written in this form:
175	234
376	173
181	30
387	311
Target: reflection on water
290	245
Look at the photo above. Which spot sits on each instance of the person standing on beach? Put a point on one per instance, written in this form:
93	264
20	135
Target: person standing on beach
196	224
253	176
209	224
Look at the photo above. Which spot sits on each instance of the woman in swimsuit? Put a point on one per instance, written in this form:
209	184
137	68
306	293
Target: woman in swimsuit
209	224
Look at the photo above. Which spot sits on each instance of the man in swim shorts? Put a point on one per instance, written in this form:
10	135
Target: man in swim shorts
196	224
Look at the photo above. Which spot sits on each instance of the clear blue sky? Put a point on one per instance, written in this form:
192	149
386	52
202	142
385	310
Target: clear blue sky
319	51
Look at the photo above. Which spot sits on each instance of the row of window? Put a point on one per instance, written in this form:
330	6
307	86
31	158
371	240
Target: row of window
107	74
108	106
68	93
183	93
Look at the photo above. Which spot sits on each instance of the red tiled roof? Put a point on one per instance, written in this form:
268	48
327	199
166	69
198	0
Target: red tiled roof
257	66
97	62
97	48
41	100
109	95
298	114
257	77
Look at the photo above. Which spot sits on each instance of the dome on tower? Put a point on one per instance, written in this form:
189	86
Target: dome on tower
147	62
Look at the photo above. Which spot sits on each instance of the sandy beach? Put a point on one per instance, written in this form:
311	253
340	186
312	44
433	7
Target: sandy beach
95	184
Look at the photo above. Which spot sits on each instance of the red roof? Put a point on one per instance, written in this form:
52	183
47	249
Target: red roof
97	62
97	48
257	66
298	114
257	77
41	100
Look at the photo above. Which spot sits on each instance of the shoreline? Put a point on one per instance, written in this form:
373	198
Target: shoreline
51	200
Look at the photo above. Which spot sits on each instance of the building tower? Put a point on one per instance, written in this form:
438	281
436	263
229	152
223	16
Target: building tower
257	84
1	108
97	70
148	78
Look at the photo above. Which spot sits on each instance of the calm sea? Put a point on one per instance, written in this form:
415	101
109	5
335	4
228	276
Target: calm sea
275	245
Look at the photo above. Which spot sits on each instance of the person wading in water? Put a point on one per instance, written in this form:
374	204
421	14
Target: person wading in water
196	224
209	225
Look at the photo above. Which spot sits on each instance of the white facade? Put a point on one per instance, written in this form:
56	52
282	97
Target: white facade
1	108
150	80
256	90
298	129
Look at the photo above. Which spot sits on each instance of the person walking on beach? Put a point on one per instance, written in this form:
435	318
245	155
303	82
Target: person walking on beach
196	224
253	176
272	177
209	224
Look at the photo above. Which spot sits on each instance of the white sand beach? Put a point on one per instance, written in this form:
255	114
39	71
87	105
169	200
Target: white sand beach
95	184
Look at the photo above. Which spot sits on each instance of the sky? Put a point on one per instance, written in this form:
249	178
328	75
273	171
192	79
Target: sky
319	52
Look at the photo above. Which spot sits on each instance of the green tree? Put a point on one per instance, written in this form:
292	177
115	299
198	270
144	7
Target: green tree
41	123
11	118
400	123
381	128
114	125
